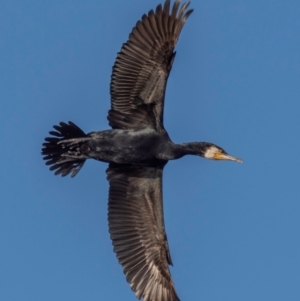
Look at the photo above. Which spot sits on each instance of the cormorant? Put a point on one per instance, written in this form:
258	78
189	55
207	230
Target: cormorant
137	148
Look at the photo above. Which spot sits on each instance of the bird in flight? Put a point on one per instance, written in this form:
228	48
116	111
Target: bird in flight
137	149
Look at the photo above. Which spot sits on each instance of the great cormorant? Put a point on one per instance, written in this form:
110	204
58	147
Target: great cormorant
137	148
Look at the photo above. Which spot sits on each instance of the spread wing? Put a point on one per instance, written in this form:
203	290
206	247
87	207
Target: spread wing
136	226
142	67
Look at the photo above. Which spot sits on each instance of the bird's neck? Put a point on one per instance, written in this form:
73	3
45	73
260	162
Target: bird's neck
191	148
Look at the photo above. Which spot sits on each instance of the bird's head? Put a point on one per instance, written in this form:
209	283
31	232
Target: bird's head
214	152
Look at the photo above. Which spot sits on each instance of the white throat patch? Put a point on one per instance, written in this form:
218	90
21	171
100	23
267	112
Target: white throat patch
211	152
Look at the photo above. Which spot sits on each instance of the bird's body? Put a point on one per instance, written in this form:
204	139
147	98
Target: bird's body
137	148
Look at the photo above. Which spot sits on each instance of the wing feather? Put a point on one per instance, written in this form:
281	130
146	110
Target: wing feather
136	226
142	67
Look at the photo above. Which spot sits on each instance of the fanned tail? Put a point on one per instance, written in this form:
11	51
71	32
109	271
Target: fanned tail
63	150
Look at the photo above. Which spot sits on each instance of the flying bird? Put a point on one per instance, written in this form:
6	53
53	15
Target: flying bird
137	149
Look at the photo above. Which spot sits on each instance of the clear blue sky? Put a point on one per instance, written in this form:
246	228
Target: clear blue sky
233	229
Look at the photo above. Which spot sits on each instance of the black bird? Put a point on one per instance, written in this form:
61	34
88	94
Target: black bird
137	148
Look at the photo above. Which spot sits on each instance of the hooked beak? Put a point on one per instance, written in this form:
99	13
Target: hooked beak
223	156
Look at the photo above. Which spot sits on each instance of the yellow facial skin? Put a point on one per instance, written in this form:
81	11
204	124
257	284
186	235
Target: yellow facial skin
220	155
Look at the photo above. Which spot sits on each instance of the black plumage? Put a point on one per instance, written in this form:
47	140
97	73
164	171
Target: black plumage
137	148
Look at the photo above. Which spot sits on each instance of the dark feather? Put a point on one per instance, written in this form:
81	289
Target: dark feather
53	151
136	226
142	67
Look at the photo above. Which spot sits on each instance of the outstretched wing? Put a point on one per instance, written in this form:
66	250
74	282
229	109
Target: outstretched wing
136	226
142	68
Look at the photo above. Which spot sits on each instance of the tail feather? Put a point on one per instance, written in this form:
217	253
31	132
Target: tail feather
58	155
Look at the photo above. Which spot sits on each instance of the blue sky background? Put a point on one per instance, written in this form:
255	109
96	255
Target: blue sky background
233	229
